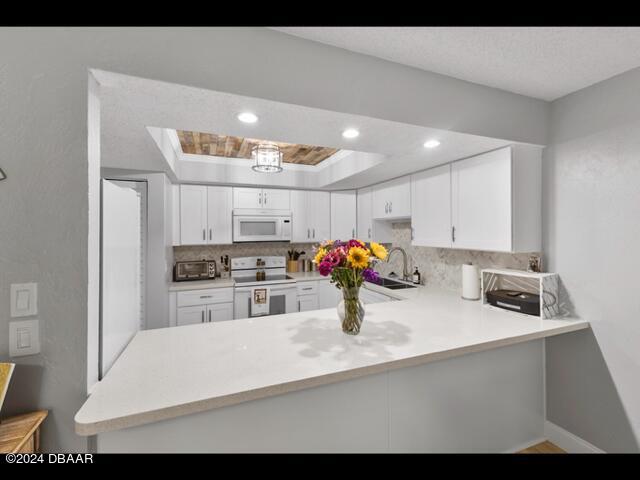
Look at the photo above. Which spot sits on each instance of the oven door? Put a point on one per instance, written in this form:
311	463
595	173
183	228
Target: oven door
283	299
247	228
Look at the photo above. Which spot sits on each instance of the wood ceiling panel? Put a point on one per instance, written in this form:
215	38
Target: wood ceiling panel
239	147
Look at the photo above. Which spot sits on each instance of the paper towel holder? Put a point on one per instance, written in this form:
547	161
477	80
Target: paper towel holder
472	285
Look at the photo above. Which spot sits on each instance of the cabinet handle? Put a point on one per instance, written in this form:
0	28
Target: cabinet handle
353	233
206	296
308	233
265	198
204	234
314	233
210	233
390	206
202	321
386	207
209	315
369	233
453	234
308	288
260	198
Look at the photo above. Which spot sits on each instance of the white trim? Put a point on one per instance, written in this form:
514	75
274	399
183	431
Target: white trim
524	446
568	441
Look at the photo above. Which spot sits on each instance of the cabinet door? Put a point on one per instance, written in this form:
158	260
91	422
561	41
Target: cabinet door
399	196
328	295
193	215
276	199
219	312
247	197
319	210
343	215
368	296
191	315
481	201
307	303
363	212
380	201
431	201
300	216
219	216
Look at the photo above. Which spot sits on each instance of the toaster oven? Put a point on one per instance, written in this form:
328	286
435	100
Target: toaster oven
197	270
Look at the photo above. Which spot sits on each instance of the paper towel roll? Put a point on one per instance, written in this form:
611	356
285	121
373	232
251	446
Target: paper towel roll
470	282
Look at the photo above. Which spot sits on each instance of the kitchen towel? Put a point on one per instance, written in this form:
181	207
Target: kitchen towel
470	282
259	301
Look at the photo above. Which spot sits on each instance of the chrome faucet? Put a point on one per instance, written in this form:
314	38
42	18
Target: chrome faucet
405	265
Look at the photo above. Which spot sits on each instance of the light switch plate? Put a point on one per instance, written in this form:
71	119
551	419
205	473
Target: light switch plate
24	299
24	338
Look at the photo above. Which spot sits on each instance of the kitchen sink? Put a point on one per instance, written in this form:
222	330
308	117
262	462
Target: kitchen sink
392	284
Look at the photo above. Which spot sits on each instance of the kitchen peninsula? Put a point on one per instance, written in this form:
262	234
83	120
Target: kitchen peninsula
428	373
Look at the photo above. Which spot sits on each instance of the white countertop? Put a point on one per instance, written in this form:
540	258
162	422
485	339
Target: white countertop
306	276
198	284
165	373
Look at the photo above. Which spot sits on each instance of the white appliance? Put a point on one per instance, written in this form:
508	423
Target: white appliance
261	225
123	255
283	292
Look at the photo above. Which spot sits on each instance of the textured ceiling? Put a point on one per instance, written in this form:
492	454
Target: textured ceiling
540	62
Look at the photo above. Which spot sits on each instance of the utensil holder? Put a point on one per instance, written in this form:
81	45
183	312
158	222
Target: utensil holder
292	266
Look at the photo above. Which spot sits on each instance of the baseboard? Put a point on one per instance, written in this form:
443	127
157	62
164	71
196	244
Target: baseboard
568	441
524	446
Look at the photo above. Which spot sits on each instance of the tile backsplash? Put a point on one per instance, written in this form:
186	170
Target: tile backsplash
438	266
442	266
214	252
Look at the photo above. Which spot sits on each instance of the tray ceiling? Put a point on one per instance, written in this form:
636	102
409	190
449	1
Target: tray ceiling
239	147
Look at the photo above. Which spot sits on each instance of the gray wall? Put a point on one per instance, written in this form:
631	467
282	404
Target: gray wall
592	226
43	149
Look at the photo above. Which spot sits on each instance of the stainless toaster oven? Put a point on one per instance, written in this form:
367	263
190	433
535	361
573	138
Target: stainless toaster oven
198	270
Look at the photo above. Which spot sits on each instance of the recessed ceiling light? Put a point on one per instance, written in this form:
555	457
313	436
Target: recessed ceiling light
431	144
248	117
350	133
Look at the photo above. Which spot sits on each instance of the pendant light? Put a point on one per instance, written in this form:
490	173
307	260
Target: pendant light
267	158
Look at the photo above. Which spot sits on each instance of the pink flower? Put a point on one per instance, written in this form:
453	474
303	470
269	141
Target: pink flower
354	243
325	268
333	258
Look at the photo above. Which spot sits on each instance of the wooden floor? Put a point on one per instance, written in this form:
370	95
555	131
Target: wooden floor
544	447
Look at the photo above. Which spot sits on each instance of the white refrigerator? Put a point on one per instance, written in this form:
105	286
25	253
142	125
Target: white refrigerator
123	255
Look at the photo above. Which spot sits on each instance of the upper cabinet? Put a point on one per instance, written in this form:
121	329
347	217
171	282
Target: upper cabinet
205	215
261	198
392	199
430	197
311	216
488	202
368	229
343	215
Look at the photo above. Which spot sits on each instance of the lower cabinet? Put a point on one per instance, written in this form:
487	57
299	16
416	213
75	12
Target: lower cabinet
203	306
328	295
307	302
317	294
369	296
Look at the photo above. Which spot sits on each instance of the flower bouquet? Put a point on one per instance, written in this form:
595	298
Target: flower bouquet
349	264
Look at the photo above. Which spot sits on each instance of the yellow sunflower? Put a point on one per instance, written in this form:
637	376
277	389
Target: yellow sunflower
319	255
358	257
378	250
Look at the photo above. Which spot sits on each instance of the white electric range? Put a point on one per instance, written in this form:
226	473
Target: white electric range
282	288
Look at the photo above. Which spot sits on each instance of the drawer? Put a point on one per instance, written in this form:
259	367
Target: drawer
204	297
307	288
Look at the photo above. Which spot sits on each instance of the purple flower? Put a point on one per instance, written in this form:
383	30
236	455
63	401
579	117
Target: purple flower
370	275
325	268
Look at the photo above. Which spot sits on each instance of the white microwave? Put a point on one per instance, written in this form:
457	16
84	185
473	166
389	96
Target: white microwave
261	225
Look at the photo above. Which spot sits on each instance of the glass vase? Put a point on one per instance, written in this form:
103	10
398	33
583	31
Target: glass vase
351	310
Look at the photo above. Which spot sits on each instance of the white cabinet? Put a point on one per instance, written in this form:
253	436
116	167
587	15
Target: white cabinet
328	295
431	201
204	305
205	215
311	216
392	199
488	202
368	229
261	198
307	303
343	215
191	315
193	215
369	296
